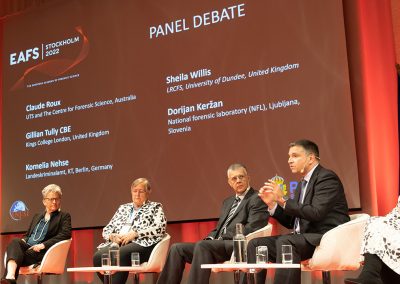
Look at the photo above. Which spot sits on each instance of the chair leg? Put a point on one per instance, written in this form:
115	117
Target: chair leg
155	277
39	279
236	276
326	277
107	278
135	278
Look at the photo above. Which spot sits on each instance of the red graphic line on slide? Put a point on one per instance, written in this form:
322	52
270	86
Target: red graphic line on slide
56	67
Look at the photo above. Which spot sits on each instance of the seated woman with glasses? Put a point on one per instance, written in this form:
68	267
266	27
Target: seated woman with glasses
136	227
46	229
381	250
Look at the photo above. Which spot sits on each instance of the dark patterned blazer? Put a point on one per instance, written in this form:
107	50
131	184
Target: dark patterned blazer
149	222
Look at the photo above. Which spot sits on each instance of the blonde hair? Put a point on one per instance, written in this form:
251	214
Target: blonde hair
143	181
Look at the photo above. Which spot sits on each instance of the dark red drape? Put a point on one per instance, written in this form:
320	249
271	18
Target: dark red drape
373	79
372	57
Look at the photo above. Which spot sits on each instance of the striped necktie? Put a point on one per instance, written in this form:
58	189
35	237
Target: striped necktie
230	215
302	193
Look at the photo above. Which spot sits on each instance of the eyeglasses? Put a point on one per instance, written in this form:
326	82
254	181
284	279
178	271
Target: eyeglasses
141	191
52	199
239	177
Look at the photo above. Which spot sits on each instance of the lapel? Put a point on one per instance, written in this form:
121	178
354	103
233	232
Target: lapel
54	220
242	203
35	221
310	186
227	209
138	215
297	193
142	211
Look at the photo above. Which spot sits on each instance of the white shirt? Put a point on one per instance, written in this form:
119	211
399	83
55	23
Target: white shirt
307	178
241	196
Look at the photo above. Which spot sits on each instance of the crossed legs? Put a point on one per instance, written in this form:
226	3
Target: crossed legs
19	254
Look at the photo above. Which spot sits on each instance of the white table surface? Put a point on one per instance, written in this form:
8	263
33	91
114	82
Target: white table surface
106	269
247	266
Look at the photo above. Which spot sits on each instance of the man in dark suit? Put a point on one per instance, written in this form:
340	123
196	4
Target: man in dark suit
244	207
318	206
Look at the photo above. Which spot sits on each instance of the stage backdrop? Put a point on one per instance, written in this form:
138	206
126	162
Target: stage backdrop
369	35
97	94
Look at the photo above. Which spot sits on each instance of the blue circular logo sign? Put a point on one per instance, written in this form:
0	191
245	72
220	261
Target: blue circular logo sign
18	210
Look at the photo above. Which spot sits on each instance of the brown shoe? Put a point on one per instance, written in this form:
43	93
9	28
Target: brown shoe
8	281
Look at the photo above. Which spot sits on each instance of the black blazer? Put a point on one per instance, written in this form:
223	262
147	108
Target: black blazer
59	228
252	213
324	206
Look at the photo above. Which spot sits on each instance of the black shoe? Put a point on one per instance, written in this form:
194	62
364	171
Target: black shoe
352	281
371	272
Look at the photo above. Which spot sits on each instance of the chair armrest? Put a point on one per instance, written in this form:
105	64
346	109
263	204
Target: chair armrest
337	250
263	232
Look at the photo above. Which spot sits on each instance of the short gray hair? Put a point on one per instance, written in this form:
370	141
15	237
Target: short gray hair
235	167
51	188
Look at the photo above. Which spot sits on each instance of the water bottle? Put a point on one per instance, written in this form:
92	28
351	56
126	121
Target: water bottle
239	245
114	254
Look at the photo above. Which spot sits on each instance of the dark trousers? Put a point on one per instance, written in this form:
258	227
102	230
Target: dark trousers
301	250
19	251
124	259
388	275
202	252
376	271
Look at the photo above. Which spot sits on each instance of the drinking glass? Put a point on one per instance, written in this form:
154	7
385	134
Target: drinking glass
287	255
262	254
114	256
105	259
135	259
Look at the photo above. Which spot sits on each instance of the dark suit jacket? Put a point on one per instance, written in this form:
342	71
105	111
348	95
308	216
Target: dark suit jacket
252	213
59	228
324	206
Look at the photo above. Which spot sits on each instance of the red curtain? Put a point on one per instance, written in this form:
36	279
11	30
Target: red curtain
396	26
1	125
373	80
371	53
